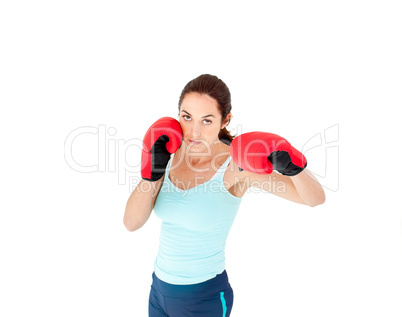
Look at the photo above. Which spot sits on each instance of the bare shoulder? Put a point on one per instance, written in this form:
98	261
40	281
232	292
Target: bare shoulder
233	171
234	179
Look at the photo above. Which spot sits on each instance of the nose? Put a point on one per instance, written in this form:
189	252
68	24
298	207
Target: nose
195	131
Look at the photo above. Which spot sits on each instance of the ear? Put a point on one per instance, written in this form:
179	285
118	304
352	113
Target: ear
226	122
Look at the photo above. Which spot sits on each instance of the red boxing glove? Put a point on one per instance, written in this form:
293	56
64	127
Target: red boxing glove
262	152
163	138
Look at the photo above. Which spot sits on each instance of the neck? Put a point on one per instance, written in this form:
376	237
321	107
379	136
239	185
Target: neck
197	158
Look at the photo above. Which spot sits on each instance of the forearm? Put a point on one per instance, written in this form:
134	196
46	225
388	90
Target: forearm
139	205
308	188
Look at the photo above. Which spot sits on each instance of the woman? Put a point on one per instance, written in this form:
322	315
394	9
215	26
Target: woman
192	180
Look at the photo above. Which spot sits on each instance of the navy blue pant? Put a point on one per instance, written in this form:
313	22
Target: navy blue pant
212	298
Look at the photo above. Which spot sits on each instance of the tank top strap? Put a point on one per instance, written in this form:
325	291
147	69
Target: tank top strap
222	169
168	165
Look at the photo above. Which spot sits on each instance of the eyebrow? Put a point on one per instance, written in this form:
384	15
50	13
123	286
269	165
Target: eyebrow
209	115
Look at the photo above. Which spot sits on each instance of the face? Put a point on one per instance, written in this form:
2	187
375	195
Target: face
200	121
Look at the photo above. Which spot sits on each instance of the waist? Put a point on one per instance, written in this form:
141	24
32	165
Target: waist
181	268
207	288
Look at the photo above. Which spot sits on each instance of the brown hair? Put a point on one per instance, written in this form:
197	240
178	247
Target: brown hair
214	87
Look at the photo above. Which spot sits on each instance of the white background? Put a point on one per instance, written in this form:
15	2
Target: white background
294	68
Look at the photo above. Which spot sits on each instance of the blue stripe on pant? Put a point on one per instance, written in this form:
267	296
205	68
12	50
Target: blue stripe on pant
212	298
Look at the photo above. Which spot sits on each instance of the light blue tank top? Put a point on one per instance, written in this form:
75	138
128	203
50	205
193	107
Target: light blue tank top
195	225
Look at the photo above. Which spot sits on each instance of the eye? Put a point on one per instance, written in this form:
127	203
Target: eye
185	116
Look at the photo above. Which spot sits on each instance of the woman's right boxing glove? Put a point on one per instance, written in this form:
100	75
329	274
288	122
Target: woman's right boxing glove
163	138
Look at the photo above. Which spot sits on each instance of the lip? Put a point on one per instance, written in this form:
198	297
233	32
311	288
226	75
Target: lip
195	142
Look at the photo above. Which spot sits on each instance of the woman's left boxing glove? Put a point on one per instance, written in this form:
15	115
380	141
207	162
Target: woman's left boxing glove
262	152
162	138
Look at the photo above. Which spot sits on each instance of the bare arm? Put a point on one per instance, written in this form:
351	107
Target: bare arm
140	203
308	188
303	188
